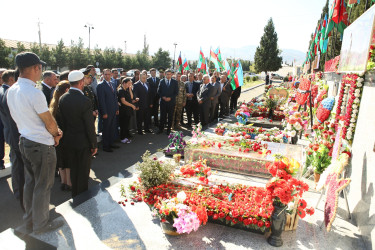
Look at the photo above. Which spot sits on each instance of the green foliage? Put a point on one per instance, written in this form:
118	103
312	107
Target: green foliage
153	172
267	56
255	78
193	64
5	61
248	78
161	58
76	56
60	55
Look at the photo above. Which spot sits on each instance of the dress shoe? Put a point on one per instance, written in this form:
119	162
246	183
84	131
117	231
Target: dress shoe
159	131
51	226
108	150
115	146
149	131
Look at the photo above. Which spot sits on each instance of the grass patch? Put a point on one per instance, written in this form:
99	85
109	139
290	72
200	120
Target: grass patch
249	84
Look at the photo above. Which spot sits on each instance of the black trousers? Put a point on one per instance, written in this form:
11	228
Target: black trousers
124	124
109	131
233	102
166	111
155	110
213	114
79	161
143	116
192	110
204	113
224	106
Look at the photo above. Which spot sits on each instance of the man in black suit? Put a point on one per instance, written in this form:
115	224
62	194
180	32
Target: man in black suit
234	99
153	82
12	136
226	92
108	106
142	90
216	91
79	132
49	84
168	90
204	99
192	107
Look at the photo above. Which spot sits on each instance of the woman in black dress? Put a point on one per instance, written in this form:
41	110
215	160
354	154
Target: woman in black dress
125	98
64	170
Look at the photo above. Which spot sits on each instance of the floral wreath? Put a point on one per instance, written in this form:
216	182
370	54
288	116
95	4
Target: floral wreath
350	92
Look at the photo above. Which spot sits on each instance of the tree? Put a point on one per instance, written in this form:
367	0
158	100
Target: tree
127	62
77	58
4	55
109	54
60	55
161	59
98	56
193	64
46	55
34	47
267	56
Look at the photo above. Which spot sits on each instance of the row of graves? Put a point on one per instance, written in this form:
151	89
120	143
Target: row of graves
249	173
297	131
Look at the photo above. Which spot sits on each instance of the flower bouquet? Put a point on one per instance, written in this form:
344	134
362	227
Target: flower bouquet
176	145
220	128
197	169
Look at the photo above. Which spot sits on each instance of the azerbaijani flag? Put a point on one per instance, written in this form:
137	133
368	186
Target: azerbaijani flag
323	41
185	65
214	59
207	67
226	66
179	63
219	59
237	79
201	61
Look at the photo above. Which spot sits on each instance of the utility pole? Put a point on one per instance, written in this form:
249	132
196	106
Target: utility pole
125	47
174	55
144	42
40	35
90	27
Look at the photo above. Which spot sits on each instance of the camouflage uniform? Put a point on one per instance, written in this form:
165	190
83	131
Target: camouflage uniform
180	101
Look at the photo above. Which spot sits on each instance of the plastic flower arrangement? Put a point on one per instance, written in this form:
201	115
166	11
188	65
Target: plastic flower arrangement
197	131
243	114
177	143
220	128
294	123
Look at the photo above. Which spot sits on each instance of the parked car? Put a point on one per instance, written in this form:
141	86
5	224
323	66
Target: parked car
276	77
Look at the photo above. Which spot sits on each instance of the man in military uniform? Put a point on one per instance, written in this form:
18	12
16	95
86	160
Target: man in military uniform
180	102
89	93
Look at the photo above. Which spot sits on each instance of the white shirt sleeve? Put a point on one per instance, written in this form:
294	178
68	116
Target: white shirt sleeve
40	103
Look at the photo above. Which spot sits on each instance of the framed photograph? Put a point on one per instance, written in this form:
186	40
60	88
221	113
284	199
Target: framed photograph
356	43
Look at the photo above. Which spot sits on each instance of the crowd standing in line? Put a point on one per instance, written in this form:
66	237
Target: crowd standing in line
50	128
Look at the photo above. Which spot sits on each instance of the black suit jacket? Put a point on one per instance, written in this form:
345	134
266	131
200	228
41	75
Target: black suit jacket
195	89
48	93
107	99
171	91
77	121
145	95
226	92
11	134
153	86
204	94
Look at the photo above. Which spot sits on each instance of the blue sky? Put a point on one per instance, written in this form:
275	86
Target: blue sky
190	24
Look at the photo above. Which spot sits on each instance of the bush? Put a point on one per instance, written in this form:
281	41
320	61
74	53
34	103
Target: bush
255	78
248	78
286	79
153	172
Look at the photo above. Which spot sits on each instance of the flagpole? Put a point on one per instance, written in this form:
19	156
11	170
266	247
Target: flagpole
366	5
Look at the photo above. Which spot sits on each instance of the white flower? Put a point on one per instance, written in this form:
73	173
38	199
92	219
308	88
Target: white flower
352	125
292	133
354	115
354	106
356	100
348	136
297	126
181	196
357	95
359	84
357	91
360	79
355	111
289	127
272	137
352	120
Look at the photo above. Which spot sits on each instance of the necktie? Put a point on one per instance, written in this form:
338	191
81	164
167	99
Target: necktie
110	85
168	83
144	85
154	80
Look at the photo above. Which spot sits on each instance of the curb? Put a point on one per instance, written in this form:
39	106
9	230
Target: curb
246	90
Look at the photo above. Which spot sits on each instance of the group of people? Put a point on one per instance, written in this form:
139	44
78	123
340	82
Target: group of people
52	126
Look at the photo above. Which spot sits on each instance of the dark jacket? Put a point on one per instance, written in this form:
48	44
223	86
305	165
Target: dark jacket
216	91
195	89
204	94
153	86
171	91
144	95
107	99
77	121
89	93
226	92
48	93
11	133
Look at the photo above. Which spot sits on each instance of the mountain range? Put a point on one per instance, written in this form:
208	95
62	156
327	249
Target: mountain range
248	52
